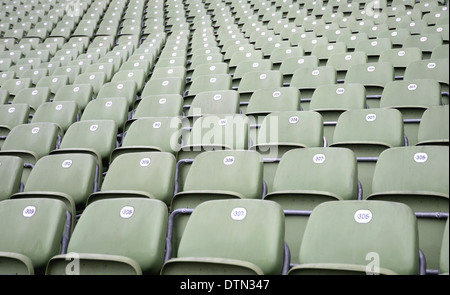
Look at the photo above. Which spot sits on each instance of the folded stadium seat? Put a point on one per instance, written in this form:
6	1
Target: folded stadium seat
63	113
283	131
291	64
4	96
335	179
425	42
436	15
400	58
82	94
373	48
4	77
434	127
326	51
343	61
419	179
125	89
380	238
94	137
241	55
238	248
307	79
297	34
13	56
54	83
116	236
162	134
333	99
374	77
161	105
321	29
443	261
310	42
36	221
367	132
202	185
437	69
14	85
415	26
352	39
334	33
280	54
203	58
411	98
11	168
440	51
271	45
442	29
169	72
139	174
210	133
374	30
108	108
136	75
208	103
34	97
247	66
31	142
138	61
215	82
12	115
253	81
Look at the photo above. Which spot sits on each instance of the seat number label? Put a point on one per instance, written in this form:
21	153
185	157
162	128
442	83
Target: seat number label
238	213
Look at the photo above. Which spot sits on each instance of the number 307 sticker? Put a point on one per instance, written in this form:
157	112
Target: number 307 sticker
238	213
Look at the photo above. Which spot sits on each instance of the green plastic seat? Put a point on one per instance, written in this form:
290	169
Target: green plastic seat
434	126
94	137
374	77
96	80
307	79
12	115
327	174
216	82
63	113
360	237
35	221
82	94
162	105
11	168
139	174
334	99
70	178
110	108
417	176
34	97
218	102
400	58
425	42
291	64
123	236
162	134
411	98
54	83
250	240
343	61
368	132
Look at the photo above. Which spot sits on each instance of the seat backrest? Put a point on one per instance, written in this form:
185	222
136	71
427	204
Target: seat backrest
328	171
383	127
129	227
210	168
215	102
312	77
380	237
63	113
111	108
412	170
162	105
338	97
264	101
434	126
34	97
10	176
36	221
125	89
82	94
251	230
148	174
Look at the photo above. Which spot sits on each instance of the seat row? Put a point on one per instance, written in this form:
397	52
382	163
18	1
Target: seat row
306	179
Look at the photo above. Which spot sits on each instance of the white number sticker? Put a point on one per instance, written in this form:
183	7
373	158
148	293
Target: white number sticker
126	212
66	163
29	211
238	213
371	117
228	160
420	157
293	120
145	162
319	158
363	216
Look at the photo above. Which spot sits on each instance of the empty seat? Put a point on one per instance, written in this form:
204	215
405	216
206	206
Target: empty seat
368	132
333	99
411	98
251	240
139	174
417	176
327	174
96	80
425	42
11	168
125	89
82	94
116	236
63	113
374	77
94	137
434	126
12	115
218	102
36	221
162	105
110	108
162	134
307	79
400	58
343	61
380	238
34	97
